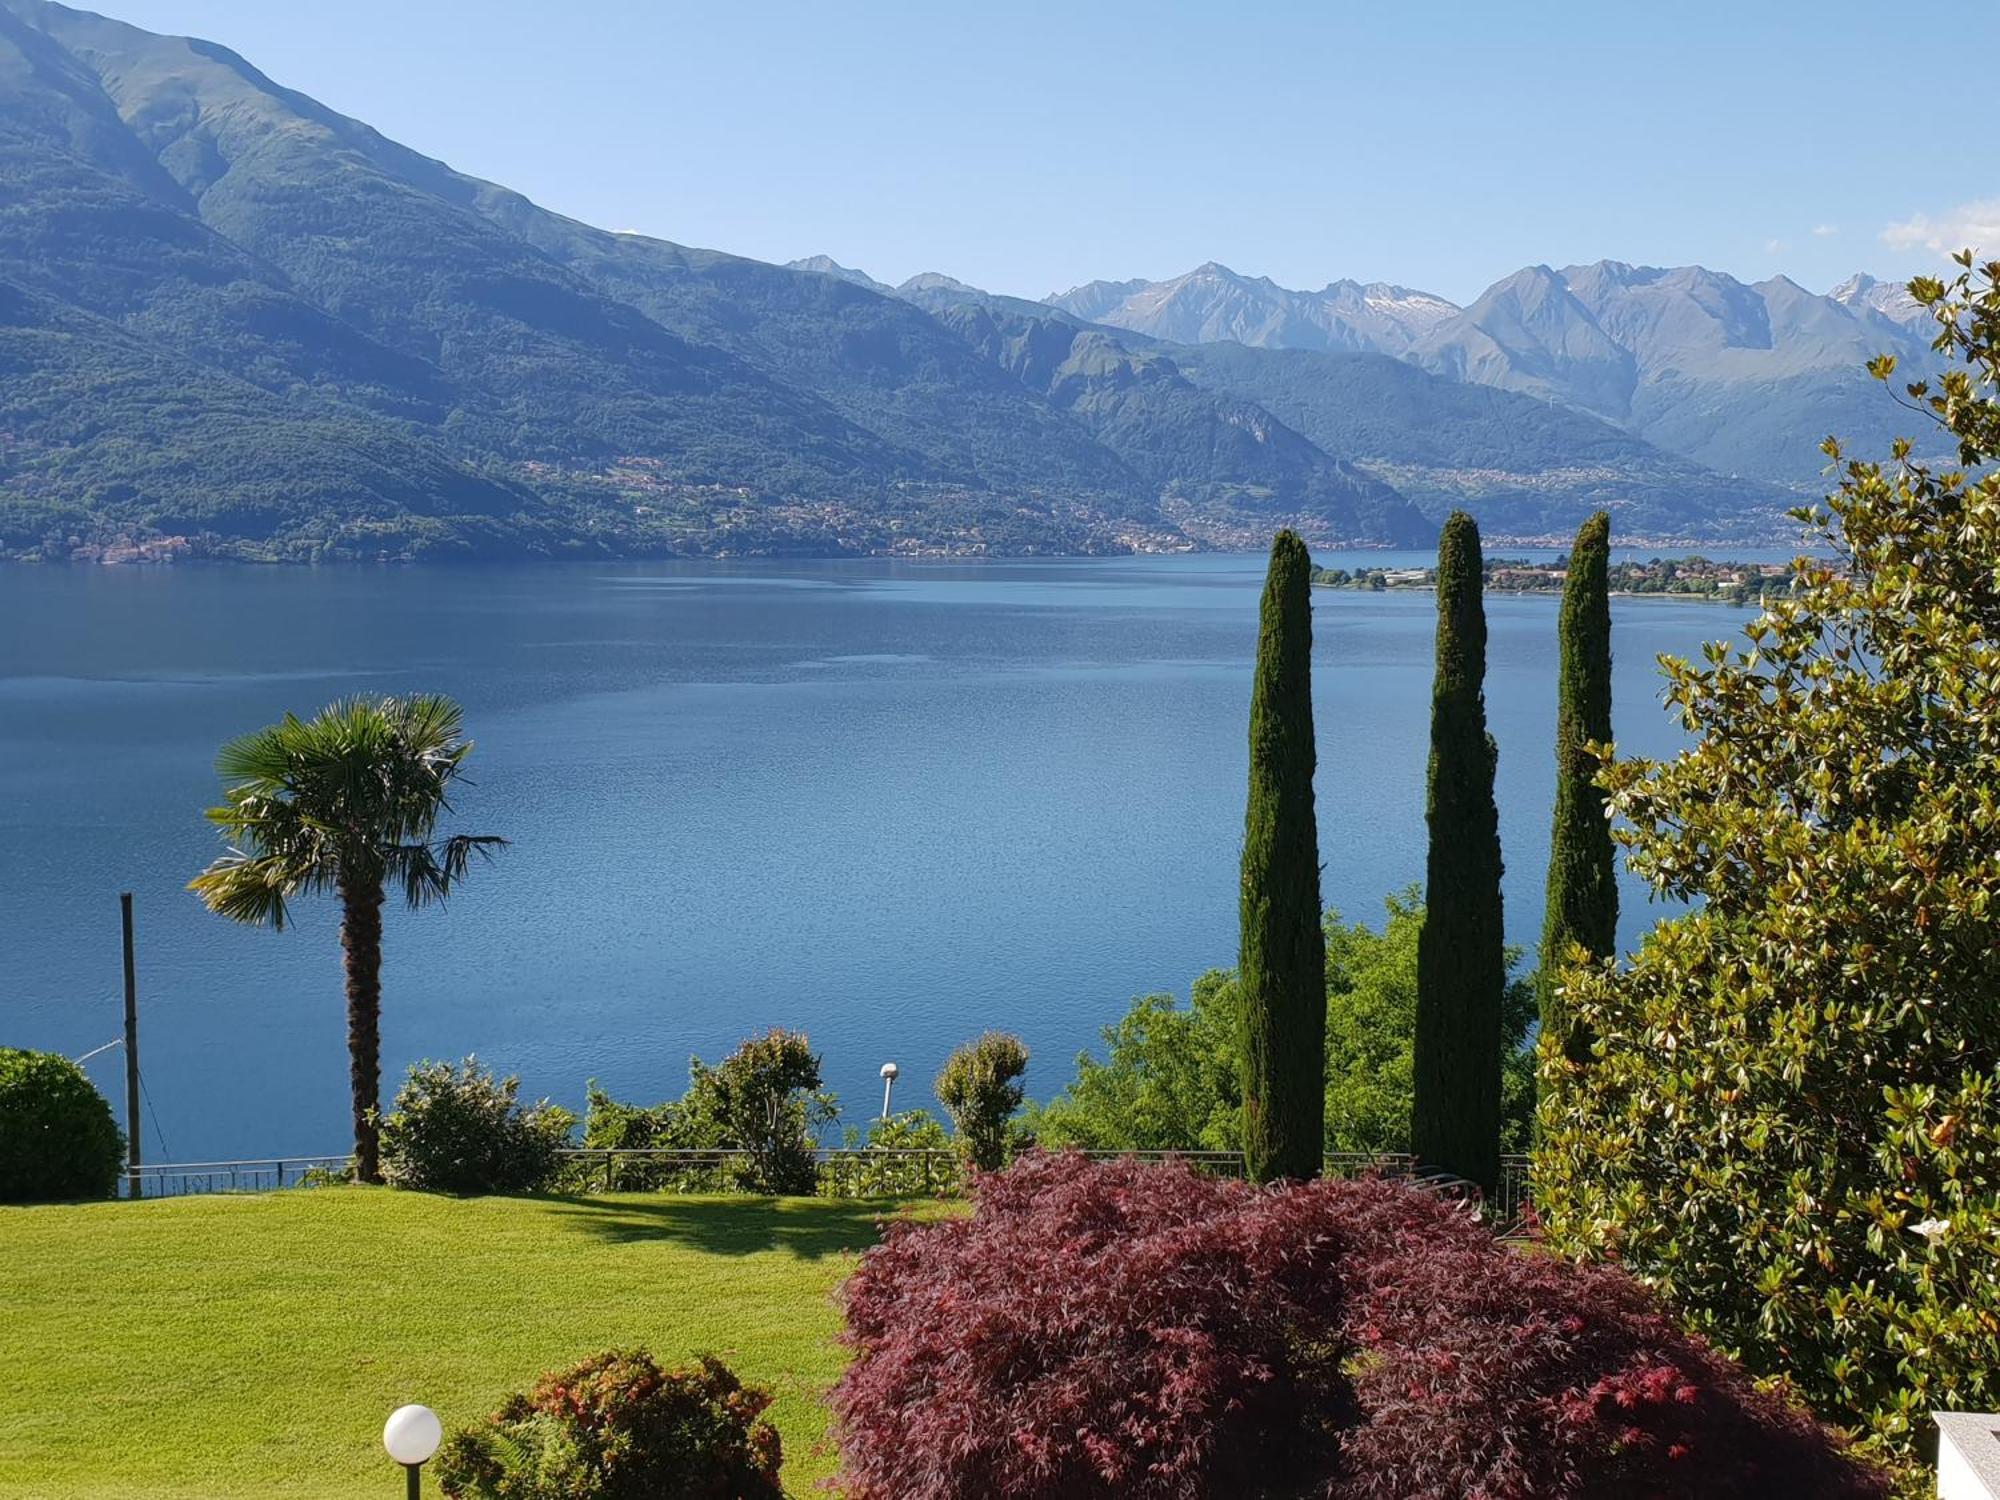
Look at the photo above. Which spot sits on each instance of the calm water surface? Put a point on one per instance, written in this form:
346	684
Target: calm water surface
892	804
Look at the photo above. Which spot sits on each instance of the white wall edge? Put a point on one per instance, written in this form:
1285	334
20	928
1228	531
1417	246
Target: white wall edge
1968	1455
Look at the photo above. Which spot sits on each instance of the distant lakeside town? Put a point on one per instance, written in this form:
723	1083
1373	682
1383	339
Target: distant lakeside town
1683	577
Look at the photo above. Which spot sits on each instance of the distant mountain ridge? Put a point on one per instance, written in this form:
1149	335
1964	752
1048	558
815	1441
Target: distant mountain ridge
1743	377
236	323
1531	469
826	265
1212	303
1747	378
1889	299
1199	444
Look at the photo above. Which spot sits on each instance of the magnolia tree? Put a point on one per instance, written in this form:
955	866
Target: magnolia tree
1789	1120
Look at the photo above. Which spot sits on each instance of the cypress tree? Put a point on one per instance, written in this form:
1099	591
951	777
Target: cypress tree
1282	959
1461	967
1583	886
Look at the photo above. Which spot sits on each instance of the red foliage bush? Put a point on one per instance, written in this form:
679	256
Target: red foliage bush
1119	1329
1486	1371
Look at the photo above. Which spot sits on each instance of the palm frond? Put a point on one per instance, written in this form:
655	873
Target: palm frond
432	727
353	792
429	872
245	889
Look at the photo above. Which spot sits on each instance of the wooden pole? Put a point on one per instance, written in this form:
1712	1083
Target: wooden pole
132	1154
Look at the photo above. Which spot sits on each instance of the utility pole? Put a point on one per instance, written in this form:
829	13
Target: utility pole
131	1054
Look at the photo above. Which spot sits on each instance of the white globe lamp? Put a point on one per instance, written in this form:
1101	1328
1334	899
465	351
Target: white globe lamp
411	1436
888	1083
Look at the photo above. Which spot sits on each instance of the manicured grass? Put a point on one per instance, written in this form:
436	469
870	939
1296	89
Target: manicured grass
238	1346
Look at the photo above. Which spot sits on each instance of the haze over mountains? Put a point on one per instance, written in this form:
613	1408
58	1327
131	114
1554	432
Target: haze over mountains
236	323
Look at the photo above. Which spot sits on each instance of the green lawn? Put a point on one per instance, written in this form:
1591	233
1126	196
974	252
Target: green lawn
238	1346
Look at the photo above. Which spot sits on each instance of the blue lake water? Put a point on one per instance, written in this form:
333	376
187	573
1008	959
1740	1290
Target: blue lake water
893	804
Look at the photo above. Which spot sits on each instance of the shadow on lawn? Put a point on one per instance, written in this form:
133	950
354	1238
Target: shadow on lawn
809	1228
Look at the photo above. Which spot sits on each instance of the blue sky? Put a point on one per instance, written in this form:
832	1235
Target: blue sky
1031	146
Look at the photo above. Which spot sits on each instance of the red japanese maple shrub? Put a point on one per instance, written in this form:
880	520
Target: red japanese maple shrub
1118	1329
1486	1371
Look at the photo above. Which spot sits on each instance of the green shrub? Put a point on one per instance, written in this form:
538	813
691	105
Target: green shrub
618	1427
57	1138
980	1088
1170	1075
611	1125
461	1130
762	1104
1789	1121
764	1100
1171	1079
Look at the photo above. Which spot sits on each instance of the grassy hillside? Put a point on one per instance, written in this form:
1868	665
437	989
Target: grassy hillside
238	1346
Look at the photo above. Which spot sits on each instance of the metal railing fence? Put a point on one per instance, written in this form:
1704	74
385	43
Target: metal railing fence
1512	1207
843	1172
264	1174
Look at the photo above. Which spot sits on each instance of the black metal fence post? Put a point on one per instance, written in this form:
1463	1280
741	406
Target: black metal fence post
132	1132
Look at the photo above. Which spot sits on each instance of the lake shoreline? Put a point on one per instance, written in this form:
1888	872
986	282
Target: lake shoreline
1493	593
164	554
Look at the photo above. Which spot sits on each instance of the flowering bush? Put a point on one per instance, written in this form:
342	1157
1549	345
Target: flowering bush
1119	1329
618	1427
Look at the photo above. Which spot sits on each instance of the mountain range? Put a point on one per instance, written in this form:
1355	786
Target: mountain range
236	323
1744	378
1212	303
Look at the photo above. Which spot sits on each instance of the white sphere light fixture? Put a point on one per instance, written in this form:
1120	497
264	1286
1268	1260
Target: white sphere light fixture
889	1071
412	1434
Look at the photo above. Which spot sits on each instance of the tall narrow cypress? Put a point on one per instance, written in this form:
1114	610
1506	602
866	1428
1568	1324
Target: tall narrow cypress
1583	885
1282	959
1461	967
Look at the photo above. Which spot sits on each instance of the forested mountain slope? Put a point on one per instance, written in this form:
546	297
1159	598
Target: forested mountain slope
237	323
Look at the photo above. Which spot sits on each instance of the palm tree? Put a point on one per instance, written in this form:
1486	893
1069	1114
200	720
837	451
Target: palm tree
346	803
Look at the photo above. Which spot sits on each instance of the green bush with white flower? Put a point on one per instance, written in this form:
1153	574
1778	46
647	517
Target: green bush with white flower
1790	1120
903	1156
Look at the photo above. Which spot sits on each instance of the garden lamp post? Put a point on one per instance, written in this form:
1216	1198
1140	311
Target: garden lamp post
888	1083
412	1435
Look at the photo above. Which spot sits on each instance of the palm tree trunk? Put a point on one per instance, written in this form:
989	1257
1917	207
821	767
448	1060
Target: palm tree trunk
361	951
